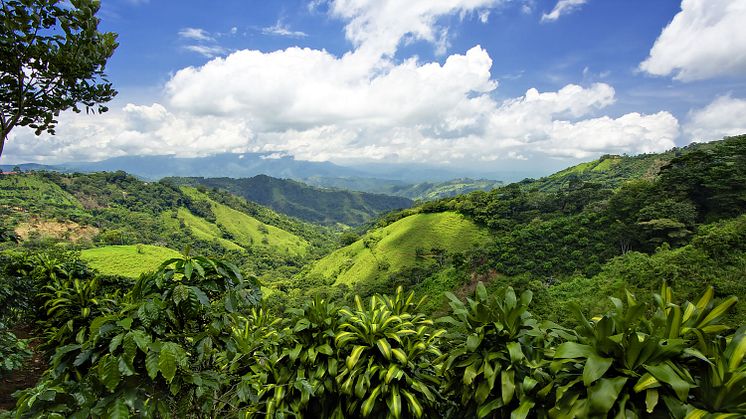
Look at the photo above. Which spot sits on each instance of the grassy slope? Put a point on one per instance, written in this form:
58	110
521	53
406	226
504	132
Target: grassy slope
395	246
246	231
32	193
126	260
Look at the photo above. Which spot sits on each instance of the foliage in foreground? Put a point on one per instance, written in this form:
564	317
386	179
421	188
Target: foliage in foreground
191	340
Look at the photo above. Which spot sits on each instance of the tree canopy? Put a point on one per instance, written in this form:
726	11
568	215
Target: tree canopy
52	58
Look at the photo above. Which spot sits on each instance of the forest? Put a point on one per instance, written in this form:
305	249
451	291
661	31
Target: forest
610	289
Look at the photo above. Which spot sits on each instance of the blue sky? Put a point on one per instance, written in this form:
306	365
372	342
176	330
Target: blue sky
527	84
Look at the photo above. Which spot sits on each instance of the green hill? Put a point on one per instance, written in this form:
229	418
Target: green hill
399	246
236	230
302	201
128	261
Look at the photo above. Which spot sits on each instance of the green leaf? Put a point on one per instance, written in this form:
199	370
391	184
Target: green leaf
489	407
595	368
414	405
666	374
603	395
472	342
354	356
167	361
108	371
573	350
651	400
118	410
394	402
718	311
508	385
151	364
399	355
384	347
523	410
370	402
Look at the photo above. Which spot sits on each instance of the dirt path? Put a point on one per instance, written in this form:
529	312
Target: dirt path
25	377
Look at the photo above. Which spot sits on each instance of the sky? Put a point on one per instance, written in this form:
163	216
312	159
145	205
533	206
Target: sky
528	85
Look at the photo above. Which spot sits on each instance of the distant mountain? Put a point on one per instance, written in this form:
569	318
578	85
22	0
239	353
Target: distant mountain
226	164
287	167
302	201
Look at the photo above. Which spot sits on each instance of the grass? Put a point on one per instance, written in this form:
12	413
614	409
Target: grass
128	261
205	230
32	193
393	248
243	230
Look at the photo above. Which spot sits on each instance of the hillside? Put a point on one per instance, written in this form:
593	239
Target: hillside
399	245
127	261
302	201
425	191
104	209
557	235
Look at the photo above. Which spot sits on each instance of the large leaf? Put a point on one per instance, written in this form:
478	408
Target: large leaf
595	368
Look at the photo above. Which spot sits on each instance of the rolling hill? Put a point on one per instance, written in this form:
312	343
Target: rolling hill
302	201
398	246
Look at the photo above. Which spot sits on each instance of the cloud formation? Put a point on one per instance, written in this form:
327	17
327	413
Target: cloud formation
704	40
361	106
563	7
725	116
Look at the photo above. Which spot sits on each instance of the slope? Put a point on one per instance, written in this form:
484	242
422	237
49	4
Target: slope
399	246
236	230
128	261
302	201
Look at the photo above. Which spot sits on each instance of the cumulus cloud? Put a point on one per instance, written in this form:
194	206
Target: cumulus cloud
563	7
376	27
361	106
725	116
704	40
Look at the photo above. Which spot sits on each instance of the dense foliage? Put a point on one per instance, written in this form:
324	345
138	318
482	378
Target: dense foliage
192	340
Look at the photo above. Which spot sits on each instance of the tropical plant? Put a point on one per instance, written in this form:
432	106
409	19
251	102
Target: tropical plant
13	351
156	354
389	353
625	362
495	365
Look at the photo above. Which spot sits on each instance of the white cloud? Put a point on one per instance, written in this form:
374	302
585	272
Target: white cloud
563	7
361	106
280	29
195	34
725	116
376	27
208	51
705	40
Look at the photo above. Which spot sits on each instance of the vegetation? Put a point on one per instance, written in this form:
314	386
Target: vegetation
425	191
520	330
53	59
128	261
191	340
295	199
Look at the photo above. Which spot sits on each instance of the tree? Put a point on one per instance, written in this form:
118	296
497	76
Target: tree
52	58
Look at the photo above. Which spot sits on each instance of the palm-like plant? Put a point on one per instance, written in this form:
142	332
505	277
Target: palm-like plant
389	357
496	364
623	363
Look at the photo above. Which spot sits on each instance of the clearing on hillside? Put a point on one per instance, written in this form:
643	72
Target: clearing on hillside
129	261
